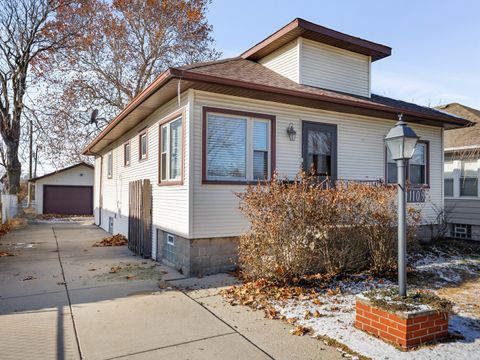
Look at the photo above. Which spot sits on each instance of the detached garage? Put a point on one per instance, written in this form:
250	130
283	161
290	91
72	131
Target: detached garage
68	191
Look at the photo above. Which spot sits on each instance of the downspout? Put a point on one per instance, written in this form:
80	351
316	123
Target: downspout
100	196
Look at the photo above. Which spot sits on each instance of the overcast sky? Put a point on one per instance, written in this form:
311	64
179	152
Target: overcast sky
435	44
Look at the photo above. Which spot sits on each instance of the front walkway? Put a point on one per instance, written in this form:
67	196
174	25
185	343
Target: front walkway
62	298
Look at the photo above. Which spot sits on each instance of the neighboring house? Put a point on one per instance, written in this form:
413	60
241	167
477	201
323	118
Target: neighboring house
201	132
68	191
462	173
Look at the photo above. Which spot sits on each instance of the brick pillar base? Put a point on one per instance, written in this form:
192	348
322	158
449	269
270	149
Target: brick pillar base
403	329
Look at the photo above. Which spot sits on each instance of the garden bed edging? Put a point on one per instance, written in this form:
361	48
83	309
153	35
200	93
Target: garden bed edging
405	329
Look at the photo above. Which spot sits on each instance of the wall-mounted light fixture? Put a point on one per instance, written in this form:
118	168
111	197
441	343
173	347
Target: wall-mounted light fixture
291	132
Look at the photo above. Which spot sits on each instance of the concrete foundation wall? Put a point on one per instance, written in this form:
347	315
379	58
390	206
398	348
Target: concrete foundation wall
195	257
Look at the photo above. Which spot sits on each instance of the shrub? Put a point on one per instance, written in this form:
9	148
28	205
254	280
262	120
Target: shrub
304	227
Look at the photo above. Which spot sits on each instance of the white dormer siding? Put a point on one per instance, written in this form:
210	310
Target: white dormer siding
312	63
284	61
333	68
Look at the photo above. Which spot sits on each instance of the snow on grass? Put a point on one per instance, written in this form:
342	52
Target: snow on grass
337	317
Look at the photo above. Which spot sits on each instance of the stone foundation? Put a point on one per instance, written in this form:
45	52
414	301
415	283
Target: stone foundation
194	257
404	330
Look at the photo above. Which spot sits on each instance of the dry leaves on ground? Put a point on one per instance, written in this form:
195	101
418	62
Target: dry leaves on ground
57	216
115	240
259	294
6	253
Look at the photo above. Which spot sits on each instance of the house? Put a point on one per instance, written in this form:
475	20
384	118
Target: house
68	191
462	172
200	133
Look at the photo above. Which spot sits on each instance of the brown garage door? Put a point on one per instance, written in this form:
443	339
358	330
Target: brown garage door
68	200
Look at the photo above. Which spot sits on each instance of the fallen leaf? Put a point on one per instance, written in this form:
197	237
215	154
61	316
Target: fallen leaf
129	276
316	314
292	320
300	330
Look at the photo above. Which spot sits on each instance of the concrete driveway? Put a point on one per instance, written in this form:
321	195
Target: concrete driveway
62	298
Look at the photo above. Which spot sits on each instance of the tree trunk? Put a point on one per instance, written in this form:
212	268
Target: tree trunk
13	167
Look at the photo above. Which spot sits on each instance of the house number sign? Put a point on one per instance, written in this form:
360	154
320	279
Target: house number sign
416	195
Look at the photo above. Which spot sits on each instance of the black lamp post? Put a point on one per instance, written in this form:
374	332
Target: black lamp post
401	141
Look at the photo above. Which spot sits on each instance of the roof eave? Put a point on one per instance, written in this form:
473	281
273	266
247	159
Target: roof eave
136	101
310	30
193	76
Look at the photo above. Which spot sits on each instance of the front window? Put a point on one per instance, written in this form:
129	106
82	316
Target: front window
143	146
237	148
171	150
417	168
109	164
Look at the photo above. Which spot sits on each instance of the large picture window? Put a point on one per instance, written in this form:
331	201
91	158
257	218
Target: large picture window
238	146
417	168
171	151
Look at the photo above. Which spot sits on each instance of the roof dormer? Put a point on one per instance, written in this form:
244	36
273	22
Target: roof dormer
313	55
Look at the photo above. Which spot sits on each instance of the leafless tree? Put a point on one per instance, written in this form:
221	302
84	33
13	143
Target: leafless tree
30	32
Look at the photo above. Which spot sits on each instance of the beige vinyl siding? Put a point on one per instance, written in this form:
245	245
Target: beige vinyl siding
284	61
333	68
169	203
360	157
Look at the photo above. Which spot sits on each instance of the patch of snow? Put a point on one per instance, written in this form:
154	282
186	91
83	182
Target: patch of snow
338	317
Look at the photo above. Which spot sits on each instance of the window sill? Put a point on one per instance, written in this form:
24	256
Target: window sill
232	182
143	159
170	183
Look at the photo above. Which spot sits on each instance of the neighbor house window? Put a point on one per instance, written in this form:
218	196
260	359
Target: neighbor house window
469	179
171	150
126	154
238	146
417	168
142	140
109	165
448	175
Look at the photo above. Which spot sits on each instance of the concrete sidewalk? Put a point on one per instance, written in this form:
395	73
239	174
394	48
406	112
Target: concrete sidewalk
60	299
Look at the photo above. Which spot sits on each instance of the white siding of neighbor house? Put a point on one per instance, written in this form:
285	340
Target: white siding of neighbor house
333	68
360	156
80	175
284	61
170	205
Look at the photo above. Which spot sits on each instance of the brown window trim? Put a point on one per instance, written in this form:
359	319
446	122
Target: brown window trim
427	166
130	155
273	138
140	134
169	118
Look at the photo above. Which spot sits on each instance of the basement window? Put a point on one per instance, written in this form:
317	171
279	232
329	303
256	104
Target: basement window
462	231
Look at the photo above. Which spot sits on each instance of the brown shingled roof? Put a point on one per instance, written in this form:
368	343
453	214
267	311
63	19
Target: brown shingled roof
246	78
467	136
239	69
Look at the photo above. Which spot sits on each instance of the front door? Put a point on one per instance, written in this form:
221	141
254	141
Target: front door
319	150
